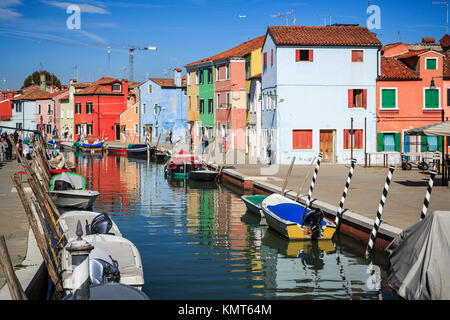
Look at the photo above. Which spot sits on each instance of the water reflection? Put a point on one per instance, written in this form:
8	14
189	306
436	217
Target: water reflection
197	241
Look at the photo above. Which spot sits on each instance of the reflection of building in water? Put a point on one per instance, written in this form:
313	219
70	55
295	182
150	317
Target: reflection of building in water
201	214
104	174
312	269
130	174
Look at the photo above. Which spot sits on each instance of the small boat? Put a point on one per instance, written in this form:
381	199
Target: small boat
52	144
76	145
161	155
113	259
253	203
92	145
137	149
117	149
285	216
203	175
81	199
181	163
68	190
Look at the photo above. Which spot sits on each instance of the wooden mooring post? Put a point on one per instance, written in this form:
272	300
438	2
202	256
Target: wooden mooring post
287	176
15	288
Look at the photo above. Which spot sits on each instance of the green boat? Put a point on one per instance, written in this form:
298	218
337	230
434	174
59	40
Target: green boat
253	203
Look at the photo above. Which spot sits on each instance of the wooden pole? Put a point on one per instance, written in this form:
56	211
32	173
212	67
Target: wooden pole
15	288
365	143
34	227
287	176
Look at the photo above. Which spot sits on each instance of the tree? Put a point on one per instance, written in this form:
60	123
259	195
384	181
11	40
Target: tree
35	78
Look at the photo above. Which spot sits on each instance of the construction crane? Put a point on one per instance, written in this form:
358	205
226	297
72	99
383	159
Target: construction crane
131	63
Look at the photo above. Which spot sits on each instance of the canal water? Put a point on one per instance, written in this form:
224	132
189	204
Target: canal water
197	241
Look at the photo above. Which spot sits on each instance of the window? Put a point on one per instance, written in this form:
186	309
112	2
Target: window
143	108
49	109
388	98
210	76
196	77
357	98
198	104
19	108
227	72
218	101
88	107
265	59
136	128
136	110
201	77
431	143
89	129
357	56
189	79
39	109
357	139
202	106
48	128
150	89
77	128
431	99
19	125
430	63
302	139
228	100
389	141
116	87
78	108
303	55
210	105
217	73
271	57
247	69
189	102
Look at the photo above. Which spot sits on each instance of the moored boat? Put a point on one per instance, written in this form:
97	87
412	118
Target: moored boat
181	163
253	203
285	216
137	149
81	199
203	175
117	149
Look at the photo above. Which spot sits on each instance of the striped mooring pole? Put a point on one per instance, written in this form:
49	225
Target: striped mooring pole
79	250
373	235
426	202
344	194
311	187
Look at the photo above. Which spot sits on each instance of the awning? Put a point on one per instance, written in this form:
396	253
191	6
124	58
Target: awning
435	129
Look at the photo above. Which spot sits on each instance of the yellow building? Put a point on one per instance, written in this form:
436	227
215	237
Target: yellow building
193	108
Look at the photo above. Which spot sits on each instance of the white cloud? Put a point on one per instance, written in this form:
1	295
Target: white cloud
85	8
8	13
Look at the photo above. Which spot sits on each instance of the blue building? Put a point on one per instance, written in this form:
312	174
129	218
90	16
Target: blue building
164	108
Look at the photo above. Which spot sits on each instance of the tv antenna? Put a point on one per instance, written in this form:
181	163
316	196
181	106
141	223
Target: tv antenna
292	12
278	15
325	18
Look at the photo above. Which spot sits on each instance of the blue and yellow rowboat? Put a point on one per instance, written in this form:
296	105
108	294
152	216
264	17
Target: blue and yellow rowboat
284	216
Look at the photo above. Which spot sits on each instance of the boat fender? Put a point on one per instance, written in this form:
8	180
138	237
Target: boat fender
314	223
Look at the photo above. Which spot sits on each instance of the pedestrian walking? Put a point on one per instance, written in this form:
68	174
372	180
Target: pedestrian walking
269	151
8	149
19	149
3	146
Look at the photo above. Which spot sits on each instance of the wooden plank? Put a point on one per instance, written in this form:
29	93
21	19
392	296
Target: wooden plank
14	285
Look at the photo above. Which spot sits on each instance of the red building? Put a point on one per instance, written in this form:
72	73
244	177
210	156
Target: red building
98	106
6	104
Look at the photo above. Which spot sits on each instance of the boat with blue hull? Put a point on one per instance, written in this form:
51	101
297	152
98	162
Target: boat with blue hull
290	219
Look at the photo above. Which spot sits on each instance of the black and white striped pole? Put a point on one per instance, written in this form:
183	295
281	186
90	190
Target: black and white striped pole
79	250
344	194
426	202
311	187
376	226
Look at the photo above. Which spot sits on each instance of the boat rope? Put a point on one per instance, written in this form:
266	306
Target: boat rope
377	223
426	201
344	194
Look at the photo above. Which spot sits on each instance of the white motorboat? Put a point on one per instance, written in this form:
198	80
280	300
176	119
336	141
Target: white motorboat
81	199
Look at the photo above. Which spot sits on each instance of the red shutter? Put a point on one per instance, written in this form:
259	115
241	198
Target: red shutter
350	98
358	141
365	98
297	55
301	139
310	55
265	59
271	57
346	142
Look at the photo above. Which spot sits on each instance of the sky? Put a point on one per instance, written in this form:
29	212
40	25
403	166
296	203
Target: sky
34	34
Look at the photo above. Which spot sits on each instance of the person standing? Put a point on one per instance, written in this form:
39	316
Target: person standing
269	151
3	146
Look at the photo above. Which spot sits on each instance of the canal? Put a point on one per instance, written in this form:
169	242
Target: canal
197	241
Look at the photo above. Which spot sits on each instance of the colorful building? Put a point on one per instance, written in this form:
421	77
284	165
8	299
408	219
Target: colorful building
129	119
6	98
407	99
315	81
193	107
163	108
98	106
67	114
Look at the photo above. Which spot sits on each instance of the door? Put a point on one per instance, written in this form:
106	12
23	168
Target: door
326	144
117	132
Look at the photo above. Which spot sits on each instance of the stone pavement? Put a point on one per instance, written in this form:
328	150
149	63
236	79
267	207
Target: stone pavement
404	201
13	220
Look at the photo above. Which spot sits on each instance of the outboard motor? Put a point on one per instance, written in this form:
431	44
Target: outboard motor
102	271
313	221
101	224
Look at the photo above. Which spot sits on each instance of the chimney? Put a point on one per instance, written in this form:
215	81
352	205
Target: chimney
177	77
43	86
427	40
73	81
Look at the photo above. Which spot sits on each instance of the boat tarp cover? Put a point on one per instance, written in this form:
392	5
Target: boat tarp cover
290	212
76	180
436	129
420	259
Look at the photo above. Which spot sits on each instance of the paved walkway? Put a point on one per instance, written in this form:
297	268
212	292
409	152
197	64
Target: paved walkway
13	220
404	201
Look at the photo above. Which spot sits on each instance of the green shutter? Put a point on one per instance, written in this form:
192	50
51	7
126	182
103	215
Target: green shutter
388	98
380	144
431	64
440	143
431	98
398	141
423	143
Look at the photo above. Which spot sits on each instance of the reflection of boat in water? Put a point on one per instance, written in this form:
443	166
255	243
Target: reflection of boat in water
286	217
137	150
252	219
203	175
180	164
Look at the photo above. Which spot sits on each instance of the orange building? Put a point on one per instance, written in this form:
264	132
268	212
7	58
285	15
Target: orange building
410	93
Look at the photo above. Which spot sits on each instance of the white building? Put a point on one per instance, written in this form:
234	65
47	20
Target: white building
315	80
